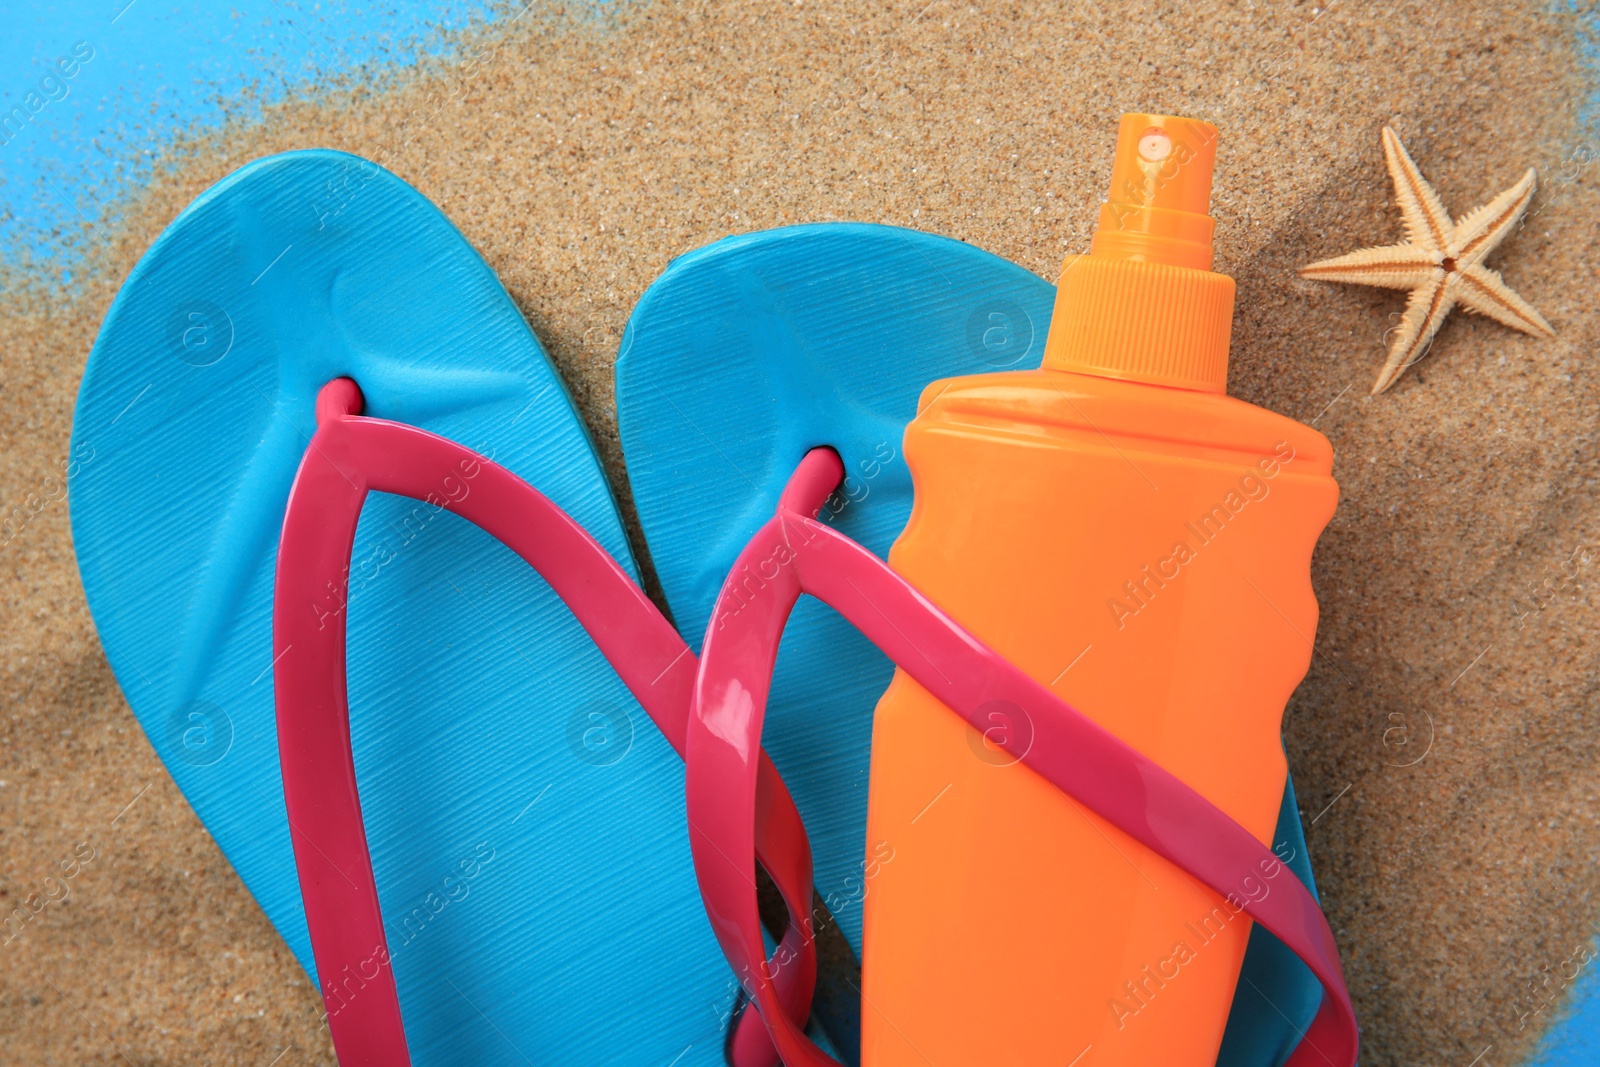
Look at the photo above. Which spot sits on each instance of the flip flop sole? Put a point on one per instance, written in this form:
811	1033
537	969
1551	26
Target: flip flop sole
740	358
525	817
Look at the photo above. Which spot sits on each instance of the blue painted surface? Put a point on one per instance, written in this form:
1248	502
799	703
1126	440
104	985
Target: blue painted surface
1573	1039
489	734
1587	46
147	71
742	357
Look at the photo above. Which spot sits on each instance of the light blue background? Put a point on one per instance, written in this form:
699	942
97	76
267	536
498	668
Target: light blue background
161	67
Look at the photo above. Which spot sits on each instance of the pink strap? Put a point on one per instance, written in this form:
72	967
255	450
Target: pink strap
349	456
1079	757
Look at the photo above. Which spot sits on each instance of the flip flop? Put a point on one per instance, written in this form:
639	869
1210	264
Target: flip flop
528	896
738	360
349	456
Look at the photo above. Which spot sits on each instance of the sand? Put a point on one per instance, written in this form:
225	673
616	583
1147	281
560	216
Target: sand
1445	742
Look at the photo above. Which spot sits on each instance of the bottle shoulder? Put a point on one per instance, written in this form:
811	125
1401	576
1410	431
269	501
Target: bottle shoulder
1049	403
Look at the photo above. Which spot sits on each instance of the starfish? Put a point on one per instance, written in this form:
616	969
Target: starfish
1440	261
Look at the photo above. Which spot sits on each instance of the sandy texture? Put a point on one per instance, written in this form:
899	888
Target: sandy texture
1447	740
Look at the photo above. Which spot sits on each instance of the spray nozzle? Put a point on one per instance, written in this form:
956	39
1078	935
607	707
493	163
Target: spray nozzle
1160	194
1144	304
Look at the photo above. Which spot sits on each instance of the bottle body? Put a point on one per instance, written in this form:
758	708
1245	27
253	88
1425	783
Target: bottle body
1145	552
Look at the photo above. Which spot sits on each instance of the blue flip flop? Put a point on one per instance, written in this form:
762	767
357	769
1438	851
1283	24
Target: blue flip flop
525	817
738	360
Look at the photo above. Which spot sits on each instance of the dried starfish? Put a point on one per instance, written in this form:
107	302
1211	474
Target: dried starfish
1440	261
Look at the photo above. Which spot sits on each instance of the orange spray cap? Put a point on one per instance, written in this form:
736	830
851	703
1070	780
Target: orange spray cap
1144	304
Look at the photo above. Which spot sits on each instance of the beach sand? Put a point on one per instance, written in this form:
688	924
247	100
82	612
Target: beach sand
1446	742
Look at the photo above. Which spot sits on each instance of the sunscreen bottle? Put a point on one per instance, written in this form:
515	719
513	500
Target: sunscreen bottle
1132	537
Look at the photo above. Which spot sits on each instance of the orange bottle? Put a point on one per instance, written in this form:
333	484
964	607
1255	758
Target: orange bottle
1132	537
